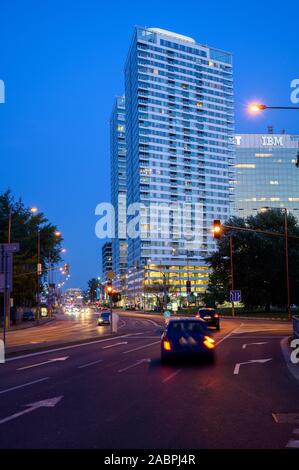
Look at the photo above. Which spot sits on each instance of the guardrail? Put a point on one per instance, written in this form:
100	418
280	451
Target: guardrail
296	326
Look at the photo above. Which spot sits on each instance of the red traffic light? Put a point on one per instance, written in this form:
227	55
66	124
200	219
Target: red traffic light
217	229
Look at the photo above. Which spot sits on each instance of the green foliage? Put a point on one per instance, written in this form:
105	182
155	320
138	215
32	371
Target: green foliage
91	292
259	262
24	230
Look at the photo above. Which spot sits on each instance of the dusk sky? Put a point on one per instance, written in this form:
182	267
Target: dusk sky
62	64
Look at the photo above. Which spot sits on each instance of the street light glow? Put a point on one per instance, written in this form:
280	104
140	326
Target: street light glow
255	108
33	210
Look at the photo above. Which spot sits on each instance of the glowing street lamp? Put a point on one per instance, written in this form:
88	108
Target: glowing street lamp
256	108
33	210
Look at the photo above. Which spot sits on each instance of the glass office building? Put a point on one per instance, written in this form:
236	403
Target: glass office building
106	259
118	191
266	175
179	135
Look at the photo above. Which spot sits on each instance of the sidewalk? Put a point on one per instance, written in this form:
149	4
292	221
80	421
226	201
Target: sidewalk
29	324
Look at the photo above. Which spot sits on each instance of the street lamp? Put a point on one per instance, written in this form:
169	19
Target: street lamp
256	108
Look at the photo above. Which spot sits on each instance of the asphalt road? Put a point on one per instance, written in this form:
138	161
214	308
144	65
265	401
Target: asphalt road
66	329
114	393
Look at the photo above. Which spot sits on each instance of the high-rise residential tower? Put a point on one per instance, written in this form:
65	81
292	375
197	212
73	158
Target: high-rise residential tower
180	156
118	191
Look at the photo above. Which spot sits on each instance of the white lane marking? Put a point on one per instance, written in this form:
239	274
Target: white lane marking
23	385
171	376
116	344
152	322
49	403
90	364
134	365
141	347
226	337
57	359
293	444
250	344
63	348
123	324
259	361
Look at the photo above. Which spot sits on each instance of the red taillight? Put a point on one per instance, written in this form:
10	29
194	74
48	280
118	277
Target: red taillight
166	345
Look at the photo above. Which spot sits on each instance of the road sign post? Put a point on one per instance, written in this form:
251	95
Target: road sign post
7	251
235	296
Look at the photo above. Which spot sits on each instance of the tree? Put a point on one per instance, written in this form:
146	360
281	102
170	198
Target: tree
24	230
91	292
259	261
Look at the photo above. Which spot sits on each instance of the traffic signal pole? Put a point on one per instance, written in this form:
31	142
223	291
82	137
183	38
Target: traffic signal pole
232	270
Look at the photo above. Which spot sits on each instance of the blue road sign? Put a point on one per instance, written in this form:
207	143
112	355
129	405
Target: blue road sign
166	314
235	296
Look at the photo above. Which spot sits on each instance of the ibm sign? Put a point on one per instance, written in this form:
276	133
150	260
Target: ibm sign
265	140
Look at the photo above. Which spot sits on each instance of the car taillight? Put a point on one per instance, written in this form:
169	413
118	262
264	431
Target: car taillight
166	345
209	342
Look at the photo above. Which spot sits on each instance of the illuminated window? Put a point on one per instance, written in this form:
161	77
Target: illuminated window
121	128
264	155
211	64
274	199
293	198
156	72
245	165
274	182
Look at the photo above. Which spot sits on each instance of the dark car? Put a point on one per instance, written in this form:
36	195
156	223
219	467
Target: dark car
104	318
28	316
187	338
210	316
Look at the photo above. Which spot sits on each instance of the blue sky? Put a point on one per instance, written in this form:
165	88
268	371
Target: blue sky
62	64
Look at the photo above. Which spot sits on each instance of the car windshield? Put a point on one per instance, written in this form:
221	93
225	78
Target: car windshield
184	327
206	312
105	315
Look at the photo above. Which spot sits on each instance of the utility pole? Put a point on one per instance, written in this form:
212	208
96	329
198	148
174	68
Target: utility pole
287	263
232	270
39	272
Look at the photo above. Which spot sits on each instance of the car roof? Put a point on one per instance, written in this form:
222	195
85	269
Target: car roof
186	319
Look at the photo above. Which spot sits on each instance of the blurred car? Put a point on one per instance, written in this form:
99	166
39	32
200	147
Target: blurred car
104	318
210	316
28	316
187	338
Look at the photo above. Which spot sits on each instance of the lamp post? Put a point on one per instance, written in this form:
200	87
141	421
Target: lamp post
255	108
232	270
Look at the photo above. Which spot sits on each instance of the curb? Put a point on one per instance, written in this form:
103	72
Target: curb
286	352
49	347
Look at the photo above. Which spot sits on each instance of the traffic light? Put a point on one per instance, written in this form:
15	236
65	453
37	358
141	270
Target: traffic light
109	287
188	287
217	229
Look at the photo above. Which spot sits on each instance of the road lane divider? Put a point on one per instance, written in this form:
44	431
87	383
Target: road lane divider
141	347
251	344
56	359
171	376
17	387
90	364
113	345
141	361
